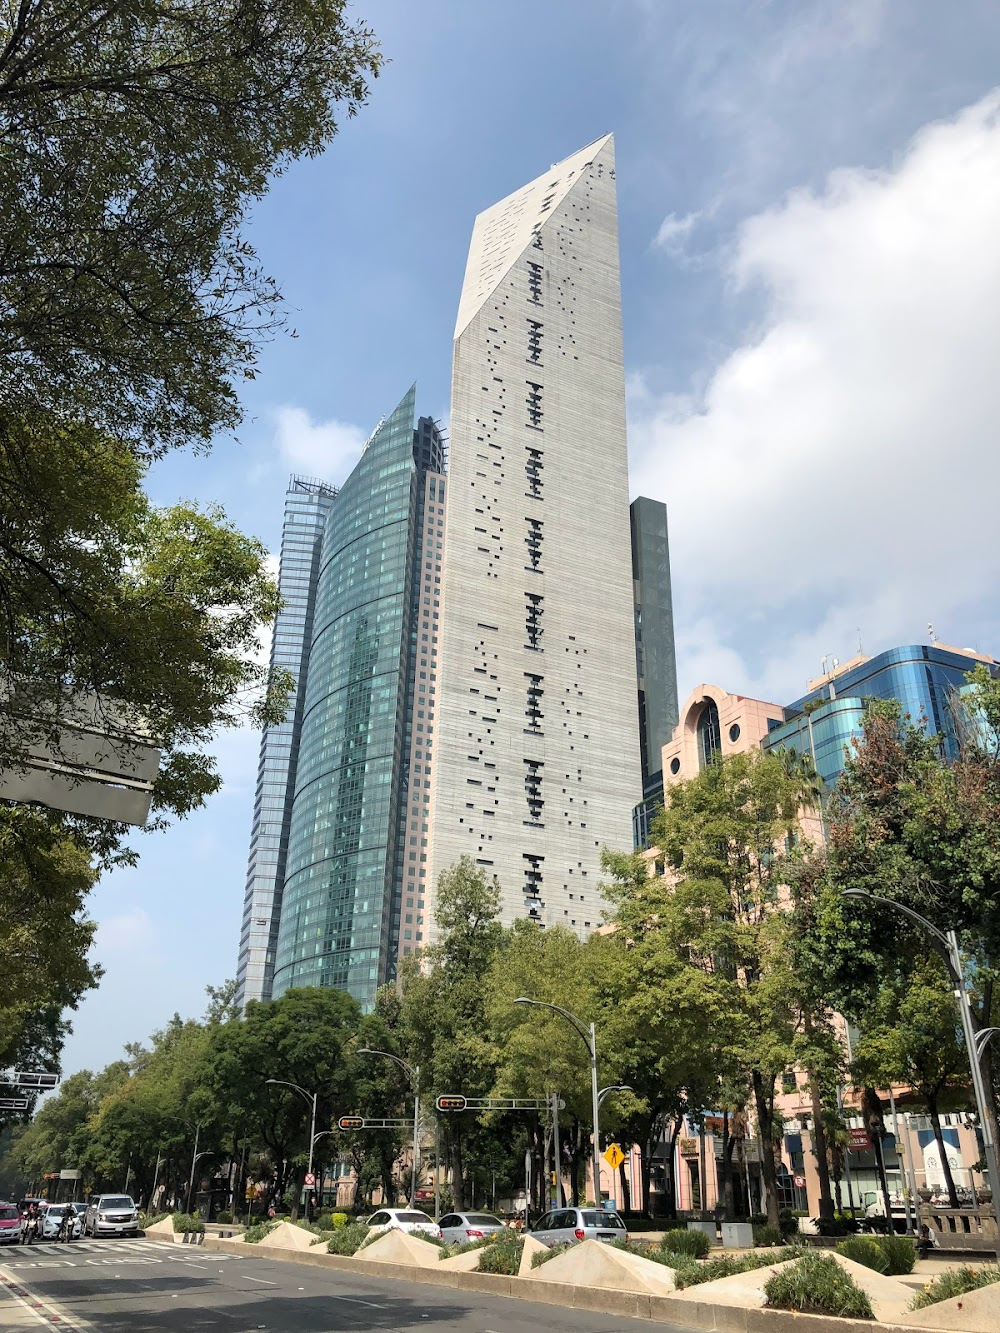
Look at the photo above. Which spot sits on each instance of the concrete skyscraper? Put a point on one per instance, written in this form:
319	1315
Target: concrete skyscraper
334	891
537	746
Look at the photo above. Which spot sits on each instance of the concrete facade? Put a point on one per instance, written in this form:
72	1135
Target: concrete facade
537	750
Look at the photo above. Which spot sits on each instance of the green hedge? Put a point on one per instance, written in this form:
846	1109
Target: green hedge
956	1283
347	1239
255	1234
695	1244
502	1255
185	1222
865	1250
901	1253
816	1284
767	1236
691	1274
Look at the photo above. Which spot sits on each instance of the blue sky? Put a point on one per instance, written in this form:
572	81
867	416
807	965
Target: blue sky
809	200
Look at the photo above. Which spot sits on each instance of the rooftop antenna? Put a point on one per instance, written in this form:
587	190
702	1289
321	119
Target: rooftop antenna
861	646
930	631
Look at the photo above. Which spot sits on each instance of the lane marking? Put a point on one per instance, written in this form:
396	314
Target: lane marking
263	1281
355	1300
46	1312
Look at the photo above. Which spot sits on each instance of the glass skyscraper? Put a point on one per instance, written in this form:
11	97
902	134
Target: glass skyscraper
922	677
352	775
307	504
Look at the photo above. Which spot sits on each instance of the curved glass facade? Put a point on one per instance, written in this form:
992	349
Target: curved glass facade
340	906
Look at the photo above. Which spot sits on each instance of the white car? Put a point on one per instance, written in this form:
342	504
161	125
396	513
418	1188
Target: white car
111	1215
52	1221
403	1219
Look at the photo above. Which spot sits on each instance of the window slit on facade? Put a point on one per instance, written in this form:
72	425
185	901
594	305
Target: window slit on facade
535	328
533	790
536	236
533	541
533	884
533	710
534	283
533	613
534	403
533	473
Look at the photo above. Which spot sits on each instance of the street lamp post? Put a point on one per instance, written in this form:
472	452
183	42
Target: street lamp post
311	1099
413	1073
589	1037
975	1043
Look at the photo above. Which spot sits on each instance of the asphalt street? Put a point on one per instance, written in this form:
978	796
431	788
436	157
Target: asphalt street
139	1286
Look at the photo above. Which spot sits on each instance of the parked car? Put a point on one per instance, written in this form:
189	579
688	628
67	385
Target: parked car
567	1225
458	1228
10	1224
111	1215
403	1219
52	1221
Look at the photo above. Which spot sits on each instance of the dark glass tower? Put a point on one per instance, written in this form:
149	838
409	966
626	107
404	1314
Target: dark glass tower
656	665
342	888
307	504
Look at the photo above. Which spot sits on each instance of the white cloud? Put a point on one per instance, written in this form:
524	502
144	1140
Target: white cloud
674	232
840	468
324	449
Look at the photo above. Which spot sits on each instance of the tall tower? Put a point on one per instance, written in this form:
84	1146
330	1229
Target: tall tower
538	751
307	503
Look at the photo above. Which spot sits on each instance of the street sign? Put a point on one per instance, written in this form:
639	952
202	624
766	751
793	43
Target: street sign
70	1174
351	1122
860	1140
13	1103
800	1182
20	1078
614	1157
310	1180
454	1103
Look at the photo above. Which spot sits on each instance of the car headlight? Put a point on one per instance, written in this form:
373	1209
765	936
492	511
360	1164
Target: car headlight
102	1217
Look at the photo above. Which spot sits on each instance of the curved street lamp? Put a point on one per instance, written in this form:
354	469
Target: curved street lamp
589	1038
975	1042
413	1074
310	1098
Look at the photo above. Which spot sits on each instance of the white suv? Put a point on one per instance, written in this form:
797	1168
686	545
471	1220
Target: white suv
111	1215
403	1219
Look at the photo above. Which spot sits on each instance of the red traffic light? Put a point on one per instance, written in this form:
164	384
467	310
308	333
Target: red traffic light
452	1103
351	1122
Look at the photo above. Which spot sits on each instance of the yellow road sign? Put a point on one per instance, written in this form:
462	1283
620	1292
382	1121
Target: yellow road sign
614	1157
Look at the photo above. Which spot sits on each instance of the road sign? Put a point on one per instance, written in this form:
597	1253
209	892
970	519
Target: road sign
351	1122
13	1103
20	1078
310	1180
614	1157
454	1103
800	1182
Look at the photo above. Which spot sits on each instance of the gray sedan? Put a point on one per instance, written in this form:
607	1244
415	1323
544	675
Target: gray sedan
568	1225
457	1228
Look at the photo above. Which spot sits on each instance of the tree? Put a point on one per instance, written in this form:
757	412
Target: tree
133	139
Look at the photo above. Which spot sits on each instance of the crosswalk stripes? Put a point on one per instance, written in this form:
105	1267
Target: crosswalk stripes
95	1253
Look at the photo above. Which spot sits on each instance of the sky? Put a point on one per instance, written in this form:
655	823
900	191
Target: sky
809	198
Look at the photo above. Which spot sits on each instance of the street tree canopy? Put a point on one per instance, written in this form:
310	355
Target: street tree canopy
133	139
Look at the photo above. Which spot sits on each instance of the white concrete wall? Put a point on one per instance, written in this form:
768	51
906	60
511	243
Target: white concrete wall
589	748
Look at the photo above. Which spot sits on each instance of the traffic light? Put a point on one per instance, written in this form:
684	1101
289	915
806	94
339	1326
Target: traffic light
452	1103
351	1122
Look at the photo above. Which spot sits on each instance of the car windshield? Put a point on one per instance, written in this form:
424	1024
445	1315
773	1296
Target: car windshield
596	1219
57	1209
413	1217
483	1220
117	1203
8	1214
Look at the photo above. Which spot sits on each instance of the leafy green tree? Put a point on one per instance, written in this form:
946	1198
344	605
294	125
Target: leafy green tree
58	1135
133	140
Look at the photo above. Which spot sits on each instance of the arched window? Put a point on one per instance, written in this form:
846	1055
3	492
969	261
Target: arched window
709	733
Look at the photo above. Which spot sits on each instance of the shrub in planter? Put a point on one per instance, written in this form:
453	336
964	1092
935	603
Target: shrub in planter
956	1282
224	1217
694	1244
788	1222
835	1226
339	1219
185	1222
817	1284
543	1256
150	1219
347	1239
658	1255
865	1250
502	1255
900	1253
255	1234
767	1236
691	1274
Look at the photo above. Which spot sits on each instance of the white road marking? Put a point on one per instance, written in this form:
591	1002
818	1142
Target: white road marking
355	1300
263	1281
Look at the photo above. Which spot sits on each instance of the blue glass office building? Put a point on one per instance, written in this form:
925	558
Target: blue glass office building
923	677
338	899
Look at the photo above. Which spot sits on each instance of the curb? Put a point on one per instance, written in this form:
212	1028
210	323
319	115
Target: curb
686	1314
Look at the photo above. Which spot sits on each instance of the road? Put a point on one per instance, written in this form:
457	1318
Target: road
140	1286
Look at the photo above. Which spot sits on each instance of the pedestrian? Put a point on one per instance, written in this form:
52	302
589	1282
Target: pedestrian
925	1241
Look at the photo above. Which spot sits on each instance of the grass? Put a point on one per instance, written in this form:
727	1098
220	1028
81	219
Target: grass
692	1274
816	1284
865	1250
502	1255
956	1282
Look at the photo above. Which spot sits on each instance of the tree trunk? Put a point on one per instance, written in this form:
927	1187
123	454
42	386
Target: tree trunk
457	1174
626	1189
949	1183
645	1168
871	1106
728	1144
820	1150
763	1100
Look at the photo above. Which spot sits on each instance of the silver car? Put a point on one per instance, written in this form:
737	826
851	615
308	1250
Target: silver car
568	1225
458	1228
111	1215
